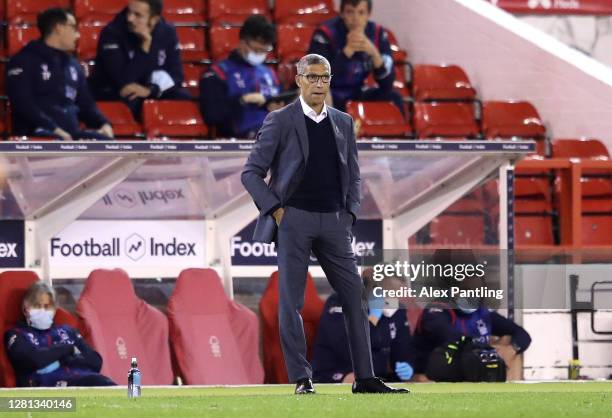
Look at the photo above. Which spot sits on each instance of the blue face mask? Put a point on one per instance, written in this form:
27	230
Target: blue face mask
41	319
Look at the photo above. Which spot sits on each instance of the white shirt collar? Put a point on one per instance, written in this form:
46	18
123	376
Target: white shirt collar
309	111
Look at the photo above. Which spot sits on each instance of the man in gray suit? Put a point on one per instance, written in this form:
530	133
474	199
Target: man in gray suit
310	204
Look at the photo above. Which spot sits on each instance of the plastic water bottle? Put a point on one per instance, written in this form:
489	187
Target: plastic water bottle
134	380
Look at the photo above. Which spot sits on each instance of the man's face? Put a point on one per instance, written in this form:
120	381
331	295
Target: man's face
314	92
139	17
355	17
68	34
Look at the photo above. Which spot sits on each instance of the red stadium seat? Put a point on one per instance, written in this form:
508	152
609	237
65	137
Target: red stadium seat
596	183
173	118
440	82
511	119
533	230
191	81
100	11
446	120
454	230
215	340
533	222
192	43
25	11
185	11
580	148
234	12
293	41
20	36
378	119
310	12
121	119
223	39
13	286
88	42
596	230
121	326
274	362
400	84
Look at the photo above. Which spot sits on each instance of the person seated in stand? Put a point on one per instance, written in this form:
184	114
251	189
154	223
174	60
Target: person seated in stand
389	336
446	321
44	354
138	58
356	47
47	87
235	95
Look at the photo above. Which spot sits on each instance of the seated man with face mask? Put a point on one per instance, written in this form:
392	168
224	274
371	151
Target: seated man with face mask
389	337
235	95
44	354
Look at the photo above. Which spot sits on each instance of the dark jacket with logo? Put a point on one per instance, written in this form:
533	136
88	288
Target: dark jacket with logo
32	350
331	360
440	325
47	89
120	60
221	89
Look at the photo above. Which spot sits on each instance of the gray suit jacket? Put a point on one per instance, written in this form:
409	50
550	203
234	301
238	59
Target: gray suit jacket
282	149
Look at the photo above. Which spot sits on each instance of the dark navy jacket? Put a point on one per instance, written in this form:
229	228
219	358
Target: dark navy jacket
331	360
221	89
31	350
120	60
48	89
440	325
349	74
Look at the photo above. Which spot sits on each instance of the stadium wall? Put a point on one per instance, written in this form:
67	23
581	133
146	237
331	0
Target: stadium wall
507	59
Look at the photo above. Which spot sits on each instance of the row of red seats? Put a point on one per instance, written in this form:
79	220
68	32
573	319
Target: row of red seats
473	220
498	119
213	340
178	11
182	119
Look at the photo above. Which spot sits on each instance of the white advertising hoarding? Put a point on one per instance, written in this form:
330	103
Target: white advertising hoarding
142	248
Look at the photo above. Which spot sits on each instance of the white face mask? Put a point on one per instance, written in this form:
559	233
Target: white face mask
41	318
255	58
466	305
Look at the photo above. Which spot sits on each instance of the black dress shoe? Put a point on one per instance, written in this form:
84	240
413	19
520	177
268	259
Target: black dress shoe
375	385
304	387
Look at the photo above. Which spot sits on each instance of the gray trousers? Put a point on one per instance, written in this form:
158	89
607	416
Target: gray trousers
329	237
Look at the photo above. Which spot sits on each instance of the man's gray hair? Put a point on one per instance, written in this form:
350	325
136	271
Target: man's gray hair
36	289
312	59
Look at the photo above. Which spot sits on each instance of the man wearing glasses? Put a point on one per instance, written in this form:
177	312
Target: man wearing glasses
47	88
310	204
235	95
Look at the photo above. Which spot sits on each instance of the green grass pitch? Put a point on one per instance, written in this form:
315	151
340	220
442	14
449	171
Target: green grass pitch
503	400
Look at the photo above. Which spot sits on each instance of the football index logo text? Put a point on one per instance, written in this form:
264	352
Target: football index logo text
135	247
